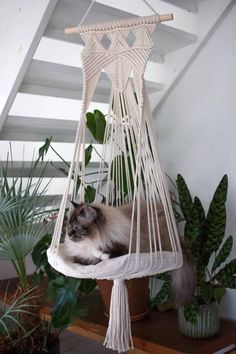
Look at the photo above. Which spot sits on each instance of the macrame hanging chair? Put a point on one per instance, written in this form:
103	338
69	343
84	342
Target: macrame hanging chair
129	156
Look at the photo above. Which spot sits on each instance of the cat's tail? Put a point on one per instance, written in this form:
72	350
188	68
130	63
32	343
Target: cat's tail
184	281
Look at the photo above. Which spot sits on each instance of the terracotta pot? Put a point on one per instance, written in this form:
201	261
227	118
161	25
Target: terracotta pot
138	293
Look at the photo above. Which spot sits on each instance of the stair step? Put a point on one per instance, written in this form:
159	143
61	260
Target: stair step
68	13
50	79
51	107
19	168
38	129
189	5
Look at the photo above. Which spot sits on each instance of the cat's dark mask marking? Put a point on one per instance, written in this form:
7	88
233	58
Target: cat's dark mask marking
83	221
88	214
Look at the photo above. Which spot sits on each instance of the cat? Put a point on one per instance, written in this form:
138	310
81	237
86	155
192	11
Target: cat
103	232
97	232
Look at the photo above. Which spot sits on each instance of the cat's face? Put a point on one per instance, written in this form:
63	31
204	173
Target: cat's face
84	222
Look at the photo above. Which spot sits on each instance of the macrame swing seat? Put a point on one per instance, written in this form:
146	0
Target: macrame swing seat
129	157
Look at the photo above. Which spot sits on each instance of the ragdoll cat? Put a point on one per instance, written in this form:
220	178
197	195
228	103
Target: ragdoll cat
101	232
97	232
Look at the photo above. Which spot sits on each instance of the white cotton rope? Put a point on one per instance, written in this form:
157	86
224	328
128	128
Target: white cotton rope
150	7
130	149
118	335
87	12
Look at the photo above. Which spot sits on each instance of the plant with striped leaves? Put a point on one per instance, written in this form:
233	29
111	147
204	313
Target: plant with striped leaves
210	250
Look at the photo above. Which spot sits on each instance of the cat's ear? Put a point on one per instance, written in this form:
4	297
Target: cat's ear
75	205
89	213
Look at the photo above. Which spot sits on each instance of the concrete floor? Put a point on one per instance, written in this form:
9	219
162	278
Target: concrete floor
71	343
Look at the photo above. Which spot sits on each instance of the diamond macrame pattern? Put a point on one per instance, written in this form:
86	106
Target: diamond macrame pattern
118	52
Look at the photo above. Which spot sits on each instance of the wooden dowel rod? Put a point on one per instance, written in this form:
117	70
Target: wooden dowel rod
71	30
168	17
162	18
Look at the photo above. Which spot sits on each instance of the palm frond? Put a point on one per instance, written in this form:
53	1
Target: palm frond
10	314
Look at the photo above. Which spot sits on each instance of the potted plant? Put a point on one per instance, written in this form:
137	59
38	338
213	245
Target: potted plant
21	214
204	235
67	296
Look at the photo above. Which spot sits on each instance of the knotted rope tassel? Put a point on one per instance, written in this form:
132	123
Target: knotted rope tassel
118	335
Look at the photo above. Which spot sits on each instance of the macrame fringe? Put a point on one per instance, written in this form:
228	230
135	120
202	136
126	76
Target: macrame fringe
119	335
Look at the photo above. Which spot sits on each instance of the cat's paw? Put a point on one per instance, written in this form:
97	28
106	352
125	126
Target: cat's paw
105	256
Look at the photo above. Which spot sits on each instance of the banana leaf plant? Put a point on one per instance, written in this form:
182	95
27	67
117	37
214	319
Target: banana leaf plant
210	250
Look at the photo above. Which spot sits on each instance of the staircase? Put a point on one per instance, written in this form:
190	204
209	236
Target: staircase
45	99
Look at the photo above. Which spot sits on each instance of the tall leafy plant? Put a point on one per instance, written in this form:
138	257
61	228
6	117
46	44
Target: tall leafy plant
209	249
204	234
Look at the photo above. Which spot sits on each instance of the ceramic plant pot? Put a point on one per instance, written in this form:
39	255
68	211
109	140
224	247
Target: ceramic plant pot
138	294
207	324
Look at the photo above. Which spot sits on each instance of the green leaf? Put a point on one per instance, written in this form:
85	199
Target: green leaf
78	183
50	272
191	312
62	170
63	310
96	123
223	253
39	255
227	275
10	314
164	296
192	227
91	124
36	278
207	292
100	125
185	198
219	292
88	154
63	290
44	148
87	285
90	193
228	281
216	218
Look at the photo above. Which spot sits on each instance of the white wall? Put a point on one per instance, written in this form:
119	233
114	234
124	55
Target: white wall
197	126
